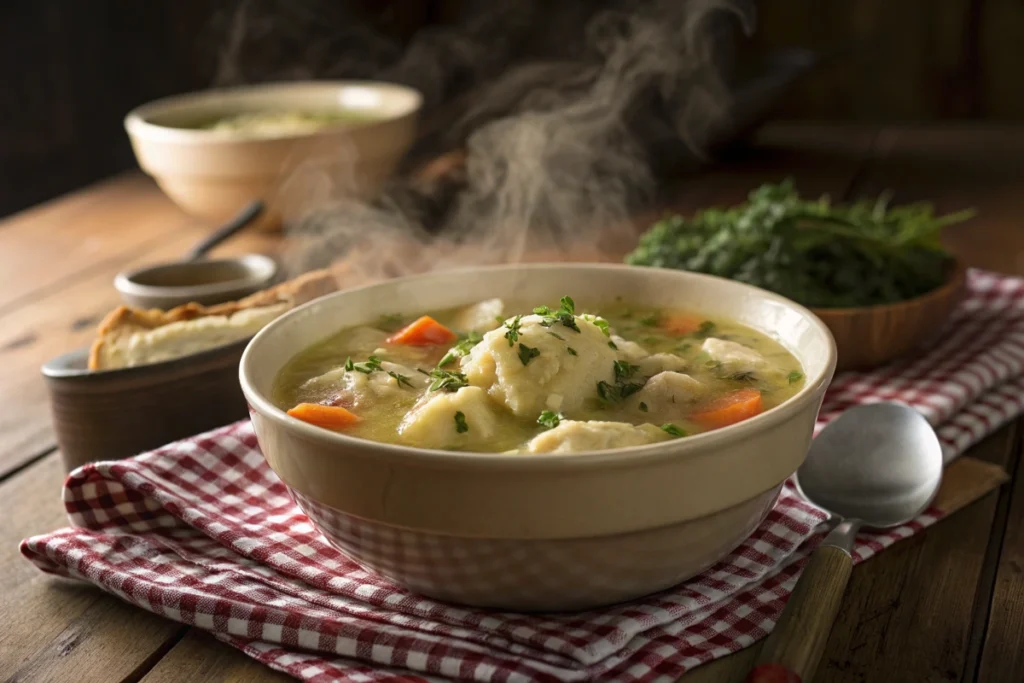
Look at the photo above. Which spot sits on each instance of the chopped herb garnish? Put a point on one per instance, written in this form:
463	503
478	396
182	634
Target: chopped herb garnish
599	323
370	366
460	423
744	376
349	365
549	419
795	377
401	379
643	407
513	329
612	345
649	320
446	381
556	335
672	430
461	349
623	370
572	351
706	328
566	315
527	353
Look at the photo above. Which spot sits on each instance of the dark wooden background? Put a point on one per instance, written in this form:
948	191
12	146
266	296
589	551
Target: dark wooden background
70	70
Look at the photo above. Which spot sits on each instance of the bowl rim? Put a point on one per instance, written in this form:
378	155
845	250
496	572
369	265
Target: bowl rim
812	390
953	282
55	368
137	124
126	284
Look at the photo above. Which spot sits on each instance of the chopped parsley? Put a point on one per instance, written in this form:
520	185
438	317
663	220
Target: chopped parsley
672	430
621	389
649	320
612	345
744	376
549	419
513	329
366	368
445	380
623	370
795	377
643	407
599	323
460	423
461	349
566	314
706	328
401	379
556	335
527	353
572	351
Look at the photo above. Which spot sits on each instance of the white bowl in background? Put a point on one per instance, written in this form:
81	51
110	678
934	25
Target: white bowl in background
212	173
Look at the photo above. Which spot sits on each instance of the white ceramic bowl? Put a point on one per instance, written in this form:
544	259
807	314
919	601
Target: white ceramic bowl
213	174
540	532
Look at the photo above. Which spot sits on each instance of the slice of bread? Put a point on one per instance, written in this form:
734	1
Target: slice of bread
130	336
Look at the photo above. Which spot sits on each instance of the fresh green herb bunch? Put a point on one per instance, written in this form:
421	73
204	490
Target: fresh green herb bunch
818	254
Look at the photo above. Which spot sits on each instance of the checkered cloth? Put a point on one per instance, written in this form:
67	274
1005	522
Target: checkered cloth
202	532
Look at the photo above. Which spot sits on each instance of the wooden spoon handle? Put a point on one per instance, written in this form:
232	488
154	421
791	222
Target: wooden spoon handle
794	647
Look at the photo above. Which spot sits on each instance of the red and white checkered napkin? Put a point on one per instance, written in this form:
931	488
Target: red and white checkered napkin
203	532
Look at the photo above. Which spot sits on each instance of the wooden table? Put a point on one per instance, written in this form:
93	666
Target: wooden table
947	605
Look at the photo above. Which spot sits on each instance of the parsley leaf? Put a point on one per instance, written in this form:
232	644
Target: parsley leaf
643	407
549	419
795	377
445	380
401	379
366	368
349	365
672	430
513	329
460	423
461	349
623	370
566	315
649	320
527	353
572	351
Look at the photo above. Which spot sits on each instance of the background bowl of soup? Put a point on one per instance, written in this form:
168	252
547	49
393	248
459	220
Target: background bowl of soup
540	531
216	150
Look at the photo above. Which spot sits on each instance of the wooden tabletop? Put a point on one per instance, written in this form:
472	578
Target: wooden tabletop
946	605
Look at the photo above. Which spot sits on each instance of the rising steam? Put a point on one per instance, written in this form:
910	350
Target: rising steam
555	153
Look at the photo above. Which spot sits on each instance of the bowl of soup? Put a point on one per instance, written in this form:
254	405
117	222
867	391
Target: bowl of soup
539	437
214	151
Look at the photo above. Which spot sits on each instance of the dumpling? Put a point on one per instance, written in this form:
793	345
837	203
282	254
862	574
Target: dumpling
670	388
435	423
660	362
543	367
628	350
734	357
480	317
355	389
572	436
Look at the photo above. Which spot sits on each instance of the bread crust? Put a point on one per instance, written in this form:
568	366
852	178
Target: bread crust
125	320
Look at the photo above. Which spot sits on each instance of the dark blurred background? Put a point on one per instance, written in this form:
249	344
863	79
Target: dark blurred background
69	71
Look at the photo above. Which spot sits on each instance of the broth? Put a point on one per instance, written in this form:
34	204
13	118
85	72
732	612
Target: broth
634	375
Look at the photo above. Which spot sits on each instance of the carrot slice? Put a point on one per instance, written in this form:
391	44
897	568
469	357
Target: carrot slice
424	331
680	324
328	417
730	409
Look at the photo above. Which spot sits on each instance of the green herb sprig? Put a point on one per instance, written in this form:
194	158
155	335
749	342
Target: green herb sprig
820	254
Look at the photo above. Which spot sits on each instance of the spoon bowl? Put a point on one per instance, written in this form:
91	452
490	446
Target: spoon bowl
879	463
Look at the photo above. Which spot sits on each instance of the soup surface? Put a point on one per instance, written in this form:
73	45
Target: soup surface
506	376
284	122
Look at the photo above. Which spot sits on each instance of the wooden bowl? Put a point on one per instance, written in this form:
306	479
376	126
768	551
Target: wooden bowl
113	414
870	336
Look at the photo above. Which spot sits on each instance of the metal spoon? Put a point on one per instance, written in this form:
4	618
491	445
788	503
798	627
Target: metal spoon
877	465
197	279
